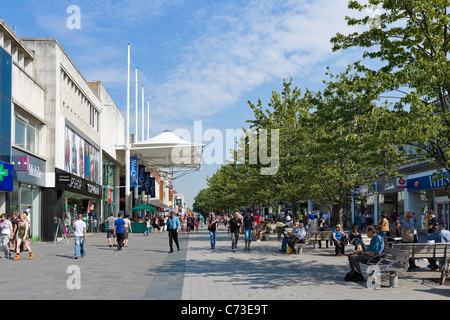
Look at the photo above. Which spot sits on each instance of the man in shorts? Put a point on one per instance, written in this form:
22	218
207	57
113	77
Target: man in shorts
110	234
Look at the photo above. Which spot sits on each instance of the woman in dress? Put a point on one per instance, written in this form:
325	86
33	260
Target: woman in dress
22	235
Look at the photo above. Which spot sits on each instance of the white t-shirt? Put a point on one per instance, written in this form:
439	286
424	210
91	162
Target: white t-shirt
5	227
79	226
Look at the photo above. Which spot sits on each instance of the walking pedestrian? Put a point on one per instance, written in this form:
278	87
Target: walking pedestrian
384	224
110	234
5	234
22	236
79	228
15	228
173	226
155	223
162	224
431	221
234	226
119	230
213	226
196	225
147	223
127	229
249	224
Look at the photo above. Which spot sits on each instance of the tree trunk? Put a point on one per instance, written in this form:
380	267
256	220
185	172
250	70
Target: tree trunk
337	214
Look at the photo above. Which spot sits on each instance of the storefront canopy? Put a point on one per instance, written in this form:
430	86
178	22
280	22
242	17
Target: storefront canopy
169	151
144	207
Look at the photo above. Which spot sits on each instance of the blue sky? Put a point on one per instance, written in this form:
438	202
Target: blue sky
198	60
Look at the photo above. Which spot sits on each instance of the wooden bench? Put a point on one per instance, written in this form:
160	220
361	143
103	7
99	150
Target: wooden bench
439	251
393	261
279	231
316	236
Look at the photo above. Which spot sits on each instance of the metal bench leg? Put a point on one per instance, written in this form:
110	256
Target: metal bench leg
300	249
444	271
393	279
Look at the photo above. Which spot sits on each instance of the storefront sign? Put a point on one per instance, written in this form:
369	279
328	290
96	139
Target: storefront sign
362	191
427	182
28	169
6	176
389	186
95	190
70	182
401	183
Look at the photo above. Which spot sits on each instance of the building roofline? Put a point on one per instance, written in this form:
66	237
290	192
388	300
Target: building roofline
16	39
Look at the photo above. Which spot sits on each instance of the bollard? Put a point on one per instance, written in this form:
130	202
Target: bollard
393	280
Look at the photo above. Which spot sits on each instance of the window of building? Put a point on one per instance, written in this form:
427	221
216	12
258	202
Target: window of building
26	133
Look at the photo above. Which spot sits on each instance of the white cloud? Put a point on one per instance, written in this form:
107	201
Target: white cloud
246	47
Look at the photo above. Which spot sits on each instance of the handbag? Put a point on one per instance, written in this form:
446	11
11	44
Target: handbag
407	234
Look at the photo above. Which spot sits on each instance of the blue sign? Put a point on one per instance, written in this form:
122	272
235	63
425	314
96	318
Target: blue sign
149	185
141	177
133	171
427	182
6	176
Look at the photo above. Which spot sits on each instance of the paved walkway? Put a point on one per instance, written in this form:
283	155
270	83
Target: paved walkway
265	273
145	271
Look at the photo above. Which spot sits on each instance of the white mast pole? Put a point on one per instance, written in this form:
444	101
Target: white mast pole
137	109
127	141
143	114
148	119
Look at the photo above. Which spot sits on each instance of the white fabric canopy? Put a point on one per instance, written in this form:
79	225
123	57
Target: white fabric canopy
169	151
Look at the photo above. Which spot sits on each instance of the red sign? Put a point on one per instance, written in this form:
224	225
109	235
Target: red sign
401	183
109	195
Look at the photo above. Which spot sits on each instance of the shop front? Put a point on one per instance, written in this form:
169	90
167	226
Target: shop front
29	178
427	193
76	196
391	199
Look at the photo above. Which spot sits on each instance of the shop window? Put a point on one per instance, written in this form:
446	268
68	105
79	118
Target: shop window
26	134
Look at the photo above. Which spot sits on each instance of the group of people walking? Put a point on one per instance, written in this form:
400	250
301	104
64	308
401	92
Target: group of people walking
119	228
237	224
15	235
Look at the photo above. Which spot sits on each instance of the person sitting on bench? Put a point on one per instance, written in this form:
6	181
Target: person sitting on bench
299	234
376	247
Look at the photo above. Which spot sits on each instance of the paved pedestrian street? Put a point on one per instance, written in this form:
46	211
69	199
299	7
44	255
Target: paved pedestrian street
146	271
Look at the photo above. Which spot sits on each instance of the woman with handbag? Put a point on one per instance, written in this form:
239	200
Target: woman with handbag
409	234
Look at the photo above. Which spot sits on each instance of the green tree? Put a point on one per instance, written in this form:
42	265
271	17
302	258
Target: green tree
410	45
288	113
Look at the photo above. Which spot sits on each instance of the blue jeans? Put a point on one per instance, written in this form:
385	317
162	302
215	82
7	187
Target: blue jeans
248	234
79	244
212	236
147	231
